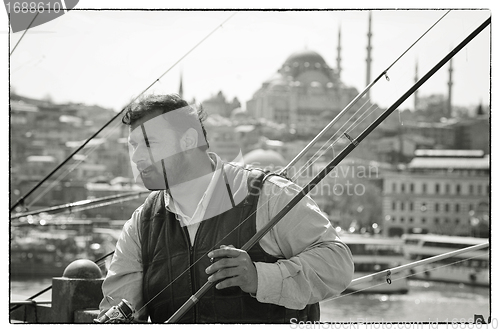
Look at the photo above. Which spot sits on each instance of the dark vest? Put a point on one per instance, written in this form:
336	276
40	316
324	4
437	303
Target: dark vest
169	259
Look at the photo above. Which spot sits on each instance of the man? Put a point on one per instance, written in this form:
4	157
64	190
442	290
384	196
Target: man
199	215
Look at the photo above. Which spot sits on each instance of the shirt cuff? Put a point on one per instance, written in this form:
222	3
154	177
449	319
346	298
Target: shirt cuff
269	282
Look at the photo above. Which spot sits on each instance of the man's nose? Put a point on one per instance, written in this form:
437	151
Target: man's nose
140	155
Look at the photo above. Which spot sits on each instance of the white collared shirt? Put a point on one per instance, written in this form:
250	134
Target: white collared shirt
193	222
313	263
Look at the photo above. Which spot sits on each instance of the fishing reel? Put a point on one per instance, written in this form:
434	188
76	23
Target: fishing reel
123	313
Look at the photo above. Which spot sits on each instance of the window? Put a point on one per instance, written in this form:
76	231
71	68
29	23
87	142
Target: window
402	219
446	207
479	189
457	221
402	188
402	205
410	220
424	188
471	189
394	205
412	187
458	188
423	220
411	206
393	187
436	220
447	188
436	207
457	208
437	188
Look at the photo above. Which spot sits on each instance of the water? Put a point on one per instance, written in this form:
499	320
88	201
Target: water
425	302
21	289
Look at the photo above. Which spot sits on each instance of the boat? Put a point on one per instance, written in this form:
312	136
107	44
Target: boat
43	251
372	254
471	268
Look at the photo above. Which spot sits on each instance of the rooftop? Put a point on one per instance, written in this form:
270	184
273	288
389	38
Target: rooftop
447	163
448	153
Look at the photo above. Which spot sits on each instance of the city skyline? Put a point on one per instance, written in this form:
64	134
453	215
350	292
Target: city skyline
109	57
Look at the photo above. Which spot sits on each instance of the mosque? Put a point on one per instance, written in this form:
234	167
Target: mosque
305	92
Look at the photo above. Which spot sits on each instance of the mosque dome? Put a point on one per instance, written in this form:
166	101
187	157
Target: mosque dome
306	61
265	159
306	58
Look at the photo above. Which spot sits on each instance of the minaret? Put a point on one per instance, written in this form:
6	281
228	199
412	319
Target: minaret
369	54
339	68
479	110
415	94
450	85
181	90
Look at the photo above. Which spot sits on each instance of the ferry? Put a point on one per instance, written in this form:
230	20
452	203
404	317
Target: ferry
471	268
372	254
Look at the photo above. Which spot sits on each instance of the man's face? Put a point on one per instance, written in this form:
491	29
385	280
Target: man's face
155	152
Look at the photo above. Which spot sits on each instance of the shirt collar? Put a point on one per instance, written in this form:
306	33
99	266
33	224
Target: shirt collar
198	215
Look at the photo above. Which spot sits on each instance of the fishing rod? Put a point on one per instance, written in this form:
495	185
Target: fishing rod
285	170
122	198
85	204
389	272
375	277
324	172
25	31
23	198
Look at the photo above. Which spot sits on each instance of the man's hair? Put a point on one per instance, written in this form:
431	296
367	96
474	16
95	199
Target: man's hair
189	117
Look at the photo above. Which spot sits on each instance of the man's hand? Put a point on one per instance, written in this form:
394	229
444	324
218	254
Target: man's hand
235	266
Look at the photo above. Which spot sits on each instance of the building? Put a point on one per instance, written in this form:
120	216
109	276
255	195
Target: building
43	134
440	191
461	134
217	104
473	133
442	133
303	94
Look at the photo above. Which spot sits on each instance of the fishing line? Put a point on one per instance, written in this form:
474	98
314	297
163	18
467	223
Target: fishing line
310	162
72	207
322	150
218	243
23	198
404	277
70	168
372	126
326	145
280	191
332	122
352	126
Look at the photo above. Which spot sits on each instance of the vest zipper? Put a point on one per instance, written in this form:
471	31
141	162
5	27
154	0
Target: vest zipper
191	267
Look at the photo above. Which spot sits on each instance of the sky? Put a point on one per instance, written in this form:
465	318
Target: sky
109	57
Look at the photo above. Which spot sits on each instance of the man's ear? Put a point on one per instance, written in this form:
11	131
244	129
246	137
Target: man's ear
189	139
